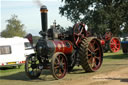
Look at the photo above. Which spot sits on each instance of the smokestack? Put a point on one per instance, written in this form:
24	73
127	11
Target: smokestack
44	20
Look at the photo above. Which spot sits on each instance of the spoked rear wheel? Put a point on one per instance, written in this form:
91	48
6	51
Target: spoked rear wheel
114	44
59	65
95	55
91	54
32	67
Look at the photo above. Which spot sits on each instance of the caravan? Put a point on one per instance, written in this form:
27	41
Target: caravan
13	51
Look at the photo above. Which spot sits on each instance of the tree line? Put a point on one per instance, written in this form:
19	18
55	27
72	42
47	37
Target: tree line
99	15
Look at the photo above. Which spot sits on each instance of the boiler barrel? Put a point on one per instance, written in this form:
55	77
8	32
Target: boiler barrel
63	46
49	47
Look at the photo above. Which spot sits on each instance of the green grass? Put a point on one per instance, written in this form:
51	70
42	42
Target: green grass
112	55
10	70
115	56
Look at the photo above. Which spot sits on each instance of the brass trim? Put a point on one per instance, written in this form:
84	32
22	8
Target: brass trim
44	11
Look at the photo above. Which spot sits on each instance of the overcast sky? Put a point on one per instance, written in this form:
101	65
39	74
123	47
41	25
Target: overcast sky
28	13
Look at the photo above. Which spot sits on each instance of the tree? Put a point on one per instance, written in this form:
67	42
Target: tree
99	15
13	28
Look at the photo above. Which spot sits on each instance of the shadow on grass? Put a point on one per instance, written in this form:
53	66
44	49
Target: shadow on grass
45	76
8	68
121	56
22	76
121	79
16	76
115	64
77	71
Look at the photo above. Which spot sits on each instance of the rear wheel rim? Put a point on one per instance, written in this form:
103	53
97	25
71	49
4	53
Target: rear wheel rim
114	45
94	55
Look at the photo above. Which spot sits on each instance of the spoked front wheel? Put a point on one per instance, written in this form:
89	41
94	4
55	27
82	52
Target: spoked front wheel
32	67
59	65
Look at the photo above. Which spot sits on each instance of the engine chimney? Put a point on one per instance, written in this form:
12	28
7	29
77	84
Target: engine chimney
44	11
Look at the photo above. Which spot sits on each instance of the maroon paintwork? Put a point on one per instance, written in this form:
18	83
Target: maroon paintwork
63	46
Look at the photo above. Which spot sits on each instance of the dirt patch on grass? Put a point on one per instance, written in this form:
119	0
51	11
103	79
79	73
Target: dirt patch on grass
119	77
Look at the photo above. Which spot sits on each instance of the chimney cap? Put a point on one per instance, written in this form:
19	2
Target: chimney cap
43	7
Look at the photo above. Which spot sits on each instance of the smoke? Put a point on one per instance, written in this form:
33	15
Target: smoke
38	2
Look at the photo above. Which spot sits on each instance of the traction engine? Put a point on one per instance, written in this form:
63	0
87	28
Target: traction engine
59	51
110	43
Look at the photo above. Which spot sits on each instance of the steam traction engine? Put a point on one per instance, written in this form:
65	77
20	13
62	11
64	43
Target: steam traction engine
60	51
110	43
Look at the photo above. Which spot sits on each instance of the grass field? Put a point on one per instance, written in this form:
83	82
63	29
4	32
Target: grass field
111	62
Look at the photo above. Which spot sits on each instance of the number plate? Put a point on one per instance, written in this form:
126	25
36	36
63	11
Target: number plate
11	63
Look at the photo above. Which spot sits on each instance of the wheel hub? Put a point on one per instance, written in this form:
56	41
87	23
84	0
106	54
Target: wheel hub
34	66
61	65
93	54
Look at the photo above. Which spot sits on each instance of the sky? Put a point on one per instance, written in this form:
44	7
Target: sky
28	12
